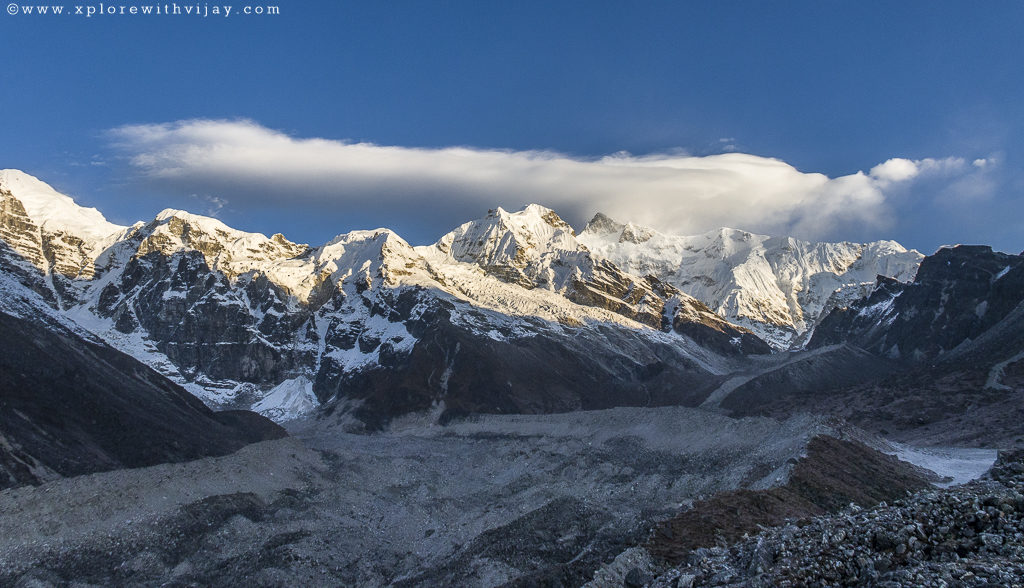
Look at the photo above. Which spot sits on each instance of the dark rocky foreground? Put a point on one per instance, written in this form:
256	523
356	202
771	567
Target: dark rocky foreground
834	473
969	535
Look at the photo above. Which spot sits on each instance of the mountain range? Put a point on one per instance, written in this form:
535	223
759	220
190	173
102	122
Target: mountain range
372	326
516	312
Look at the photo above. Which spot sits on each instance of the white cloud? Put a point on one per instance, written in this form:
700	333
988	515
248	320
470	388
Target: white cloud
895	170
898	169
674	192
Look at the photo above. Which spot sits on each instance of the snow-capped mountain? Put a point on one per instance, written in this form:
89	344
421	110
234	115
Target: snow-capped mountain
505	314
50	232
511	313
778	287
537	250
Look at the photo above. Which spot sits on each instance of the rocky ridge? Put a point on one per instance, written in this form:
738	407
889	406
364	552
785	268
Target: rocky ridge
959	293
938	361
241	319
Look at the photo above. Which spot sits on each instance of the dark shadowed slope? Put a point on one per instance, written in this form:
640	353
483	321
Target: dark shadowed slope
70	406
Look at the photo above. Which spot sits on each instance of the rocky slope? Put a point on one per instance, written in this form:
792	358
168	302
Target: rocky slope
71	405
778	287
965	536
958	294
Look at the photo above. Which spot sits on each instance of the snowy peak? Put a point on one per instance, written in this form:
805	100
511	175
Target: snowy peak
776	286
229	251
47	230
192	231
53	211
537	250
371	258
311	275
601	224
243	319
509	243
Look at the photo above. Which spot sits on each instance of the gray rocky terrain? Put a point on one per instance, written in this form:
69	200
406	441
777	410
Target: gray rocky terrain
485	501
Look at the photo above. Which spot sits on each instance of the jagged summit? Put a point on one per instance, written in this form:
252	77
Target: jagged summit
602	224
776	286
237	315
243	319
215	227
380	233
509	238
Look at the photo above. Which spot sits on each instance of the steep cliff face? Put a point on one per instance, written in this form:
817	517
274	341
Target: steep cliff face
958	294
777	287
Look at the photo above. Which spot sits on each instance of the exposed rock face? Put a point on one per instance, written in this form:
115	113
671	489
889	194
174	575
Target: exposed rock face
776	287
958	294
19	232
201	321
49	231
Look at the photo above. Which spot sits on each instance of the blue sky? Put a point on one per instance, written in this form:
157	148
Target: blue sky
136	114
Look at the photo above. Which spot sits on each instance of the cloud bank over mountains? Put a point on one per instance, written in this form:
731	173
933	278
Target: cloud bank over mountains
251	165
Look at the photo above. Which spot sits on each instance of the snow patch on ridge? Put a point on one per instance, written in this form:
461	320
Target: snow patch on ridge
955	464
288	400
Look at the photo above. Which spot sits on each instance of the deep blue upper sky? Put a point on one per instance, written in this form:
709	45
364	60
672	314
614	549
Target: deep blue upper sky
830	87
